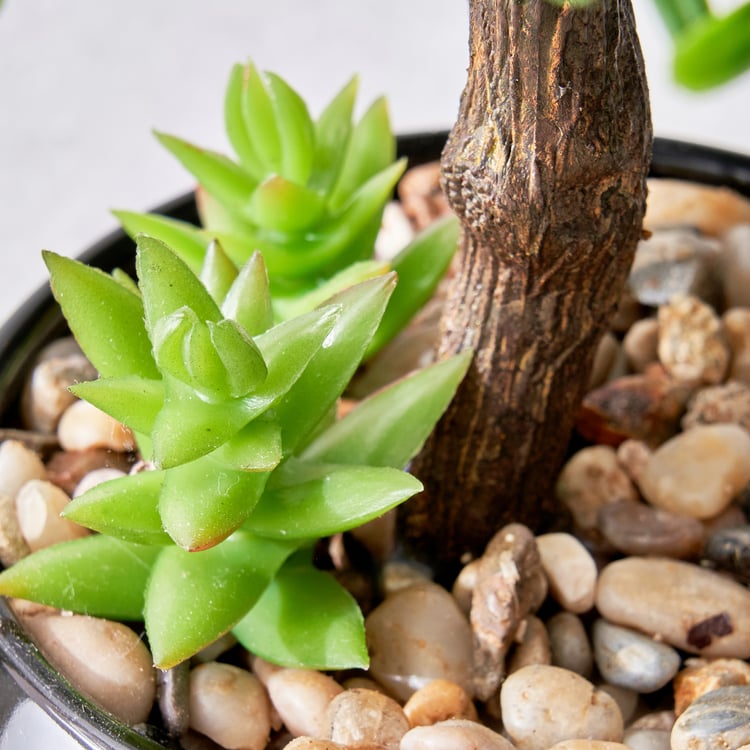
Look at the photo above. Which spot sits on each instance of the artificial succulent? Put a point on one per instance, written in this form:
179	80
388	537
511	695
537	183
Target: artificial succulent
249	465
308	194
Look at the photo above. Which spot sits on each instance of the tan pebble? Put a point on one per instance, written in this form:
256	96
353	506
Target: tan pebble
626	699
688	606
400	575
67	468
230	706
454	734
263	669
604	360
698	472
106	661
729	518
736	322
214	650
310	743
647	739
703	675
13	547
96	477
83	426
591	478
735	264
366	683
38	505
421	195
640	344
532	645
657	720
692	343
589	745
726	403
633	456
378	536
395	232
713	210
570	647
18	465
366	716
463	586
543	705
301	696
570	570
437	701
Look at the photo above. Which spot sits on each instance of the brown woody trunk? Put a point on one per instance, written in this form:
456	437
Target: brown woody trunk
546	169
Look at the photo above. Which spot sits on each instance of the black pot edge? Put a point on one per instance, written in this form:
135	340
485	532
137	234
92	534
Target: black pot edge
38	320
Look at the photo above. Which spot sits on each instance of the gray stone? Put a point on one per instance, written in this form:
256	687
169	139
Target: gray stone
719	720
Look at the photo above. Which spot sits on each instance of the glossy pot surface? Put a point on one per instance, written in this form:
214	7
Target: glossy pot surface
30	690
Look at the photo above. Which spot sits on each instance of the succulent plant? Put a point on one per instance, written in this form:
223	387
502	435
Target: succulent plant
250	465
308	194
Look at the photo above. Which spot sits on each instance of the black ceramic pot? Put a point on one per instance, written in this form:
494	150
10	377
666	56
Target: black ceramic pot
30	690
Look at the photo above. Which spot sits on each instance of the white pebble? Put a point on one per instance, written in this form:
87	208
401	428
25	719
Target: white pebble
38	506
570	570
454	734
96	477
360	717
83	426
18	465
229	705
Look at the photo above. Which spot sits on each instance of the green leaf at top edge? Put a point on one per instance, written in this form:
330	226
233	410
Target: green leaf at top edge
329	635
105	317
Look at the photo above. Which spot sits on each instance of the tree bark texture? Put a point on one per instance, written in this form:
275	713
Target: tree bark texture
546	168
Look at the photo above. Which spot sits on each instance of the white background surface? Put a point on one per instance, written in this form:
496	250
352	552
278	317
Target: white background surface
82	83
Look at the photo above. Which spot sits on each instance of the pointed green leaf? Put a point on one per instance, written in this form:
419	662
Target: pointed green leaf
296	130
420	267
124	278
371	148
219	175
221	220
169	335
218	272
126	508
167	284
308	500
329	635
203	502
105	317
283	206
260	119
208	373
329	372
332	132
236	128
193	598
188	241
95	575
390	427
256	447
133	400
244	364
249	298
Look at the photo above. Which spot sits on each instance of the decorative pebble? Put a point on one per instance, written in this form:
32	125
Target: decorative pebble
632	660
735	262
701	676
698	472
437	701
421	195
229	705
532	645
692	343
13	547
417	635
464	585
729	549
173	697
301	697
67	468
588	745
708	613
96	477
633	456
640	344
626	699
510	584
38	506
395	232
543	705
719	720
569	644
83	426
366	716
18	465
106	661
640	529
727	403
310	743
647	739
570	570
397	575
591	478
659	720
736	322
454	734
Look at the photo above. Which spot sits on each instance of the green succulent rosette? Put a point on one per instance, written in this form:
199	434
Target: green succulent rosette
308	194
237	415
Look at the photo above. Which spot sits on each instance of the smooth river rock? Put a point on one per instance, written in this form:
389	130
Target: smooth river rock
685	605
417	635
719	720
542	705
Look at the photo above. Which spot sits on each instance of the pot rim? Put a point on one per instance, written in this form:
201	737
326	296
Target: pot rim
38	320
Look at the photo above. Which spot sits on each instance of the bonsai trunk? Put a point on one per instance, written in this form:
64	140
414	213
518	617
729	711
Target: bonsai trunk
546	169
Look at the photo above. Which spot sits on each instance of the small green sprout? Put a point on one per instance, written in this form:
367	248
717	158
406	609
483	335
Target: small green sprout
250	466
308	194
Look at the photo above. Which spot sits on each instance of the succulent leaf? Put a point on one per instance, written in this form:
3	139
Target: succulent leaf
280	205
260	120
236	128
70	575
216	589
331	635
248	300
126	508
217	272
105	317
309	500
